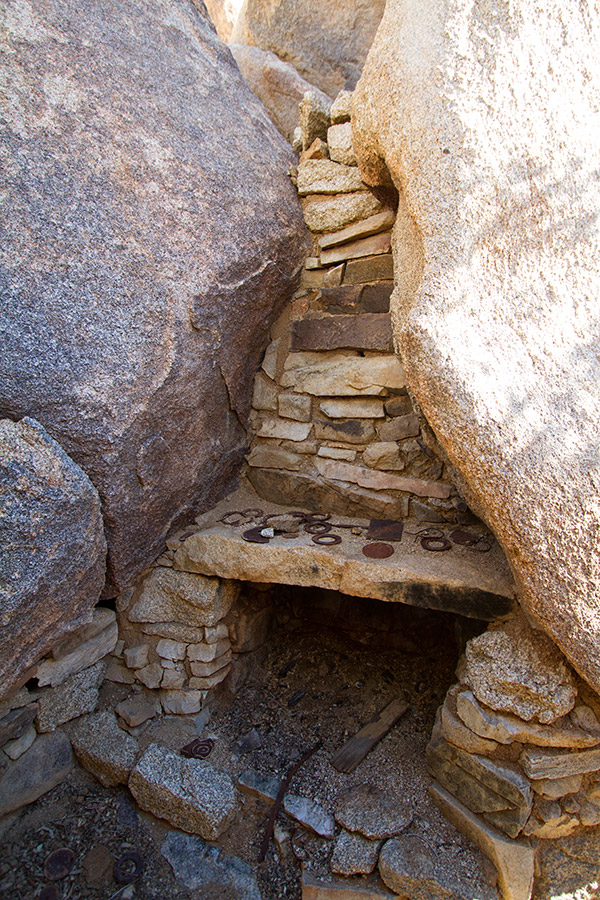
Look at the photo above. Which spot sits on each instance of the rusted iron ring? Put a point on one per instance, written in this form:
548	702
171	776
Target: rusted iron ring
199	748
317	517
240	520
128	867
435	544
326	539
317	527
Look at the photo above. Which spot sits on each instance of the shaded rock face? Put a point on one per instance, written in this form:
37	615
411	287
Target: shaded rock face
326	42
151	233
52	546
223	14
496	304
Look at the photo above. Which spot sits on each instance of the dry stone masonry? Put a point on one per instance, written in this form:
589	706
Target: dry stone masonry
333	424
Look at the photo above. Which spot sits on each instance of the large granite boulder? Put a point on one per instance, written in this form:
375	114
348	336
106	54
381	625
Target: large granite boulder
277	85
483	118
151	235
52	547
326	42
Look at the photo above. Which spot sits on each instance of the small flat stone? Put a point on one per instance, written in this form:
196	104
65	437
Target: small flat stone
74	697
173	680
103	748
369	247
216	633
399	406
15	749
341	107
370	331
354	855
17	722
56	671
543	764
384	455
182	703
135	710
295	406
323	176
284	429
369	269
375	298
136	657
97	866
45	765
381	481
337	453
410	867
339	142
346	297
382	221
265	393
317	889
372	812
506	728
555	788
190	794
513	859
205	869
207	669
400	428
344	376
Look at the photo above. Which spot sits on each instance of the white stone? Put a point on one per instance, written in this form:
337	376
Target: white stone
219	631
343	375
381	481
208	652
341	107
337	453
362	408
323	176
171	649
295	406
284	429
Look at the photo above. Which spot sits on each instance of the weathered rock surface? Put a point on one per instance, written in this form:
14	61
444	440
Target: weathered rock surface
277	85
74	697
51	543
47	762
103	748
498	298
189	793
142	271
516	669
202	867
326	42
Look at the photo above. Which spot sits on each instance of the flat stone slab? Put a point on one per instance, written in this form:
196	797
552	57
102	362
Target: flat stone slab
202	867
461	581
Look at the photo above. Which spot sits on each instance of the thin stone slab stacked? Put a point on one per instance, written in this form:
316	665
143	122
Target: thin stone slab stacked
515	750
182	633
333	425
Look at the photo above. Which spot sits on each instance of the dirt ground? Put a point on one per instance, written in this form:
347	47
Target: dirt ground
312	681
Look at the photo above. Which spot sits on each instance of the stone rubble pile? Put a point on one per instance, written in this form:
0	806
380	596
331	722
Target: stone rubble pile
333	426
517	741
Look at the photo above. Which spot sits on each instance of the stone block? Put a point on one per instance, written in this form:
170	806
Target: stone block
375	298
150	676
365	332
181	703
543	764
313	111
555	788
103	748
514	859
206	682
382	221
341	108
337	453
207	652
119	673
265	393
365	247
188	634
475	796
331	212
506	728
188	793
295	406
284	429
317	150
384	455
15	749
516	669
453	729
217	633
135	710
344	375
169	649
333	276
345	297
55	671
380	481
136	657
74	697
41	768
181	597
339	142
323	176
173	680
265	456
350	431
399	428
335	889
207	669
371	268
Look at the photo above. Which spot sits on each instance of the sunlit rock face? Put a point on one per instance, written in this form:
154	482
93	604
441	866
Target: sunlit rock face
151	234
484	116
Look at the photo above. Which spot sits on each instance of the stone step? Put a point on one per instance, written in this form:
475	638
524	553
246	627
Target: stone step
461	581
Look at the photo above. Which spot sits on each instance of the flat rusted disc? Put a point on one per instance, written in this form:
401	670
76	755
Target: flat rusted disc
385	530
255	536
464	537
59	864
378	550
